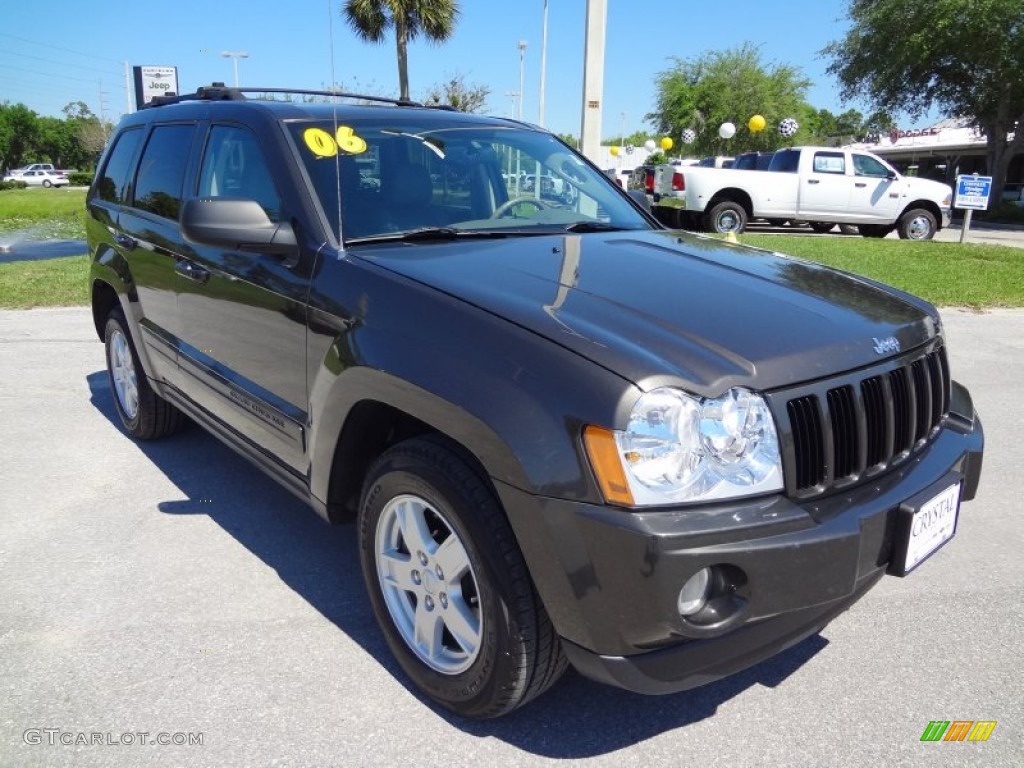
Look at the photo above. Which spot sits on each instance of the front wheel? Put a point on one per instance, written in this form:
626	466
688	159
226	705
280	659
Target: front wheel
449	586
726	217
917	224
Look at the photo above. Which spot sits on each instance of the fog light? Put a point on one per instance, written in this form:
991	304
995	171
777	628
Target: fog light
694	594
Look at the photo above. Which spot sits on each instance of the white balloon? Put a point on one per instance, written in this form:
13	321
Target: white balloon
727	130
649	145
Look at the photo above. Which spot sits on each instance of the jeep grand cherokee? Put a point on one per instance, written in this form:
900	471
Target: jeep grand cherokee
566	435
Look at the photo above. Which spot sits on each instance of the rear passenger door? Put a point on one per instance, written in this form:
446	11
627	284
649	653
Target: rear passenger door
825	189
243	313
150	241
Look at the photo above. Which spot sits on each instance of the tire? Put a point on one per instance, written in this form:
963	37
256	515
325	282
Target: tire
848	229
821	227
916	224
873	230
726	217
438	553
47	183
144	414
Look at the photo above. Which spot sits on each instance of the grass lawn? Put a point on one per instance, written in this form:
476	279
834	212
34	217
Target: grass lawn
50	283
946	274
58	212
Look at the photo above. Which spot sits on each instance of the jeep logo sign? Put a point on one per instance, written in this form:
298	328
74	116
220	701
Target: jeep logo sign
887	345
153	81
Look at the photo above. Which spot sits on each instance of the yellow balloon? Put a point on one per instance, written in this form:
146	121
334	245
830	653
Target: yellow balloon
757	124
666	143
615	151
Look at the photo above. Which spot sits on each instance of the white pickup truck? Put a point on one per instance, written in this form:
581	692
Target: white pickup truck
820	185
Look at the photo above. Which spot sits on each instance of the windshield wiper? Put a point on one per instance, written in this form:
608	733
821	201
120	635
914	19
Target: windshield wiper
439	233
593	226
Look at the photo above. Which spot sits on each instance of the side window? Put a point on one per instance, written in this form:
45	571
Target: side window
829	162
113	184
234	166
865	165
162	170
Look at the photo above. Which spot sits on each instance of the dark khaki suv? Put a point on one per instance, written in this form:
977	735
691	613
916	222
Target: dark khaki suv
566	435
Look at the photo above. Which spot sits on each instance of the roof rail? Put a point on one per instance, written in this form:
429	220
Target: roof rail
219	92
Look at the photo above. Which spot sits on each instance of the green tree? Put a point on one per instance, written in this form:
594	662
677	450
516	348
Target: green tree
963	56
457	93
729	86
371	19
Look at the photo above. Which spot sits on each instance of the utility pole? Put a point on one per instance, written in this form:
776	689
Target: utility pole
543	64
593	78
127	90
522	72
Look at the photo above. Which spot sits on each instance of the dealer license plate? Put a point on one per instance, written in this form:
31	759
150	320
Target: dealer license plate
926	523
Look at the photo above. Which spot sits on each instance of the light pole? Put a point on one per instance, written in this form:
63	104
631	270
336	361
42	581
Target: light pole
543	64
235	56
522	72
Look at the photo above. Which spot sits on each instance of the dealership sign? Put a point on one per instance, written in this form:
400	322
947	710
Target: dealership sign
973	191
154	81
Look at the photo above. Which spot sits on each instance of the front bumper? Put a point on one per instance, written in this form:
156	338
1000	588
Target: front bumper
610	578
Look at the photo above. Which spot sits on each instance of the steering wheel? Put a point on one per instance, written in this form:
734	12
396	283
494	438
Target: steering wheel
507	206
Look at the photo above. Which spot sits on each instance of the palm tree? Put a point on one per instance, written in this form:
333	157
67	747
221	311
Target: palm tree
370	19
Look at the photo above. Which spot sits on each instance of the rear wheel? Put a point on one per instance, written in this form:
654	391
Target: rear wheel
47	183
144	414
726	217
848	229
449	586
821	227
917	224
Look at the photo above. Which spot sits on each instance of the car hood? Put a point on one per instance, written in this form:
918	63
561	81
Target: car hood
663	308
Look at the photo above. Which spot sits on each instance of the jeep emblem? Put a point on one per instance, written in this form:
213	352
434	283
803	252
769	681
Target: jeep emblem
886	345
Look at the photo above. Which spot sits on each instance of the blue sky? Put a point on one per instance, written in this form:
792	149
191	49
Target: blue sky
66	50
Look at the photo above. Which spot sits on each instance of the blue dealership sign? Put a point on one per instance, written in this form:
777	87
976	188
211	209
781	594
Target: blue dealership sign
972	192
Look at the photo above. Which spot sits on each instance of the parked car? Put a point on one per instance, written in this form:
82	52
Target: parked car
753	161
36	178
716	161
565	434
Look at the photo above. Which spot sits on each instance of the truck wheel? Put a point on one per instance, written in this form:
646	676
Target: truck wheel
873	230
144	414
726	217
449	586
916	224
821	227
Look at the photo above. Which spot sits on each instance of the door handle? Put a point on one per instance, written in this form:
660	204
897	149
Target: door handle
813	181
192	271
860	184
128	243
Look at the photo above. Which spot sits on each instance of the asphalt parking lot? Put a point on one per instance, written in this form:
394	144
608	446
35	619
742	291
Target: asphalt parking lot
170	588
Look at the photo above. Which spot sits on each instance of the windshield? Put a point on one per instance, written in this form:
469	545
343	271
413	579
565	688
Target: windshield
407	177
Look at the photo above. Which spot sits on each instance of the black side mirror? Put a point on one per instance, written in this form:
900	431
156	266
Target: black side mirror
237	224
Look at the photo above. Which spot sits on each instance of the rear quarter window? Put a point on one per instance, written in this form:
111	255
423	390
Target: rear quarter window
113	181
158	183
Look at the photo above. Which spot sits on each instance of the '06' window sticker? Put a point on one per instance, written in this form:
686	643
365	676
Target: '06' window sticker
322	144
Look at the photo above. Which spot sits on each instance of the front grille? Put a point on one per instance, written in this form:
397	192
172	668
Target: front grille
837	432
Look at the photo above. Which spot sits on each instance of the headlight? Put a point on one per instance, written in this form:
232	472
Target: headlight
681	448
